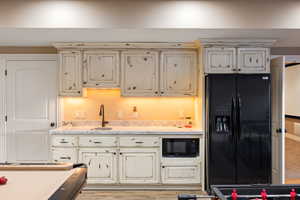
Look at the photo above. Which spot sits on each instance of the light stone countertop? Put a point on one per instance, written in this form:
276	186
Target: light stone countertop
123	130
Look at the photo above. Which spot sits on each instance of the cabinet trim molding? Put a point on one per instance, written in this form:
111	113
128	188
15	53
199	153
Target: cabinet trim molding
221	42
126	45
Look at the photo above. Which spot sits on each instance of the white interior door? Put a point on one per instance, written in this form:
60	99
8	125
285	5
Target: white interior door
31	95
278	124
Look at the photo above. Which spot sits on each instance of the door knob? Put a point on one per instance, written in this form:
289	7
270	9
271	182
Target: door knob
52	124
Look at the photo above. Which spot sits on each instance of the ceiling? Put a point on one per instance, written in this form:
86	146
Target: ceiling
45	37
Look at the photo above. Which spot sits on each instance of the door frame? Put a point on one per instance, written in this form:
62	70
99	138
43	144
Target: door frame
4	58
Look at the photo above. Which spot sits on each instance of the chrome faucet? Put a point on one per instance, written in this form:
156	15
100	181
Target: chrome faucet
101	114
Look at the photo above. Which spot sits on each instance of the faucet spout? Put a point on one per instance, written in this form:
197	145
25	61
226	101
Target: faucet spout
101	114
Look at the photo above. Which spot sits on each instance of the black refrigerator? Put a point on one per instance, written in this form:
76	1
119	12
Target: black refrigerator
238	129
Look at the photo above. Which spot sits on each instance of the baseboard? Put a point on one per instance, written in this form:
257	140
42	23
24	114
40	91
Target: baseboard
190	187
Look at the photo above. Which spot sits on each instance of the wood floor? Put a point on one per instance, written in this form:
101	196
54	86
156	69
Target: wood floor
132	195
292	177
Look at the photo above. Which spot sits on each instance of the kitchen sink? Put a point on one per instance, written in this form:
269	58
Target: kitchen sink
102	129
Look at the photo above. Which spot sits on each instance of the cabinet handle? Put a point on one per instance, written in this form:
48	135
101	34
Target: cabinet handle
90	162
133	87
239	70
121	153
97	142
234	70
162	166
162	92
156	92
102	75
84	82
114	153
63	142
67	158
78	92
250	59
137	142
99	165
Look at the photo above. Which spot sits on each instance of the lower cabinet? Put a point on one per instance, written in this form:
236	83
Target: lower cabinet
101	163
64	155
181	174
139	165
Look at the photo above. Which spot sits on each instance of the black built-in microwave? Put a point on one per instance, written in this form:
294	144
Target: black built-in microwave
180	147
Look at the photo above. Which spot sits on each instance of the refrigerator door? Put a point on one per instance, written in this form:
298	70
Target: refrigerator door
254	129
220	102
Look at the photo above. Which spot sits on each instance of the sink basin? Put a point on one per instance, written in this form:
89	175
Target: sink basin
102	128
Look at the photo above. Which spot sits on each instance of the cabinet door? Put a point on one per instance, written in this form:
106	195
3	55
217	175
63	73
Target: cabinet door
68	155
178	73
101	69
254	60
101	165
138	165
139	73
181	174
220	60
70	73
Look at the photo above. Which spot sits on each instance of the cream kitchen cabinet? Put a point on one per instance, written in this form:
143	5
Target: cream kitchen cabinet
139	165
219	60
64	155
253	60
70	73
101	163
178	73
180	174
101	69
139	73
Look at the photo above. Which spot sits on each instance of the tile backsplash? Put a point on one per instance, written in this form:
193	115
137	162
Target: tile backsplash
122	108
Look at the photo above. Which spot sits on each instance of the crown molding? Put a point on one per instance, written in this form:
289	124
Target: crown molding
219	42
126	45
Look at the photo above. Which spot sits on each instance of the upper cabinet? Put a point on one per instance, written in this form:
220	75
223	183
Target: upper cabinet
101	69
236	56
253	60
139	73
139	69
220	60
178	73
70	73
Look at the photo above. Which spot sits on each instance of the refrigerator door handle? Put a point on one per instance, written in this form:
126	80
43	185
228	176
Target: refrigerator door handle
233	118
239	105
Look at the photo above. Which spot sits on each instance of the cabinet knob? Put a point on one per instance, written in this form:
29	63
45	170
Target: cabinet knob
52	124
162	92
156	92
133	87
162	166
234	70
239	70
84	82
78	92
121	153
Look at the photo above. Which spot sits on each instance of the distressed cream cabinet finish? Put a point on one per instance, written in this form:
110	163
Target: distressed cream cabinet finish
101	163
220	60
70	73
64	155
178	73
181	174
139	165
101	69
139	73
253	60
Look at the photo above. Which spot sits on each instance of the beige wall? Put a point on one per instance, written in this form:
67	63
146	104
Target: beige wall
150	13
150	108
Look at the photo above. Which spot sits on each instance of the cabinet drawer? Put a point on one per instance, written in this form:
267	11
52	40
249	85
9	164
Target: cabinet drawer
181	174
64	141
92	141
139	141
64	155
